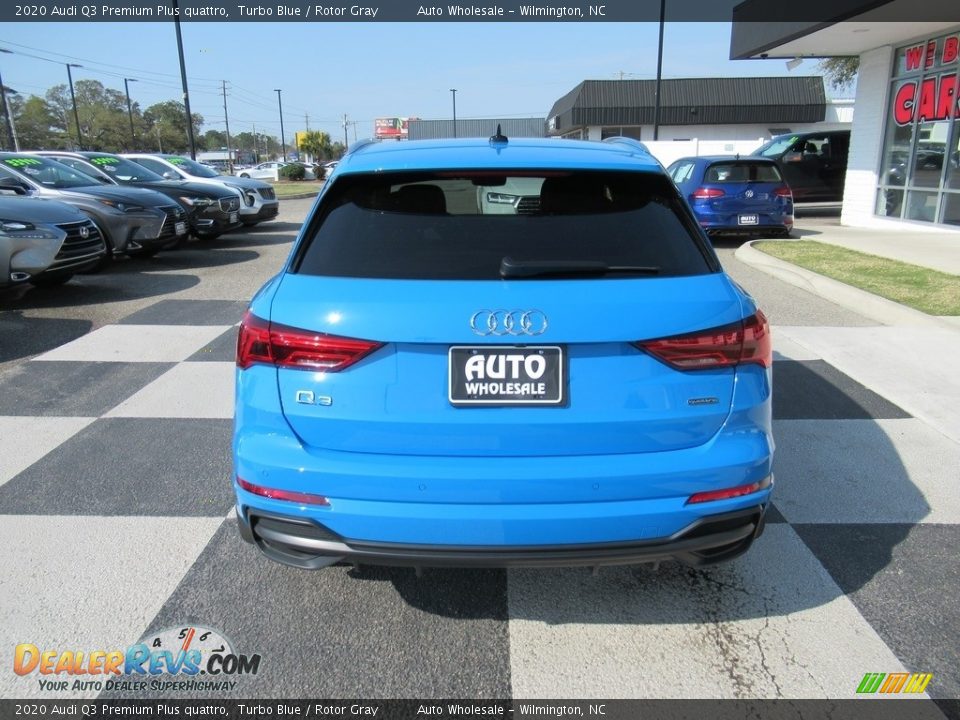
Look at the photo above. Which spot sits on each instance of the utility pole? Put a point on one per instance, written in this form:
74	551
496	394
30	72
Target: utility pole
8	116
656	92
283	140
256	145
73	97
8	112
159	141
345	145
183	80
133	135
226	122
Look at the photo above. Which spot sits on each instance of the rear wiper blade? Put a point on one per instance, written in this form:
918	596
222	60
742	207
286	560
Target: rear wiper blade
510	268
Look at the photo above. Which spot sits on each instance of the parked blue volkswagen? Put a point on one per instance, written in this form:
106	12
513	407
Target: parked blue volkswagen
730	194
503	352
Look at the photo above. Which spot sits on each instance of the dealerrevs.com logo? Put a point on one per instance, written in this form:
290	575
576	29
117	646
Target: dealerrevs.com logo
183	659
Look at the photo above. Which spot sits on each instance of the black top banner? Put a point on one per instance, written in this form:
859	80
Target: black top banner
479	11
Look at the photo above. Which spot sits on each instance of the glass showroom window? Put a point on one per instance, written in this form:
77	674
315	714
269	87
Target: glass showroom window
918	175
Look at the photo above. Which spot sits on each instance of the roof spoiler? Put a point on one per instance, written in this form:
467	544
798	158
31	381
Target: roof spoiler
630	142
359	145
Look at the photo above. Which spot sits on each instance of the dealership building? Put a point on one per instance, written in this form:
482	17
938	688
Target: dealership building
740	108
904	160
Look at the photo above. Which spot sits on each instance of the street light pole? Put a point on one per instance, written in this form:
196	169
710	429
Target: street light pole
73	97
133	135
283	140
454	91
183	80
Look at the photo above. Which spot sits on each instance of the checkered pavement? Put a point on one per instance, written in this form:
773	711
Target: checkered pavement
117	521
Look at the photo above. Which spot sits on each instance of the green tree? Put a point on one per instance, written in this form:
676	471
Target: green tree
337	150
37	125
102	112
167	127
317	143
215	140
840	72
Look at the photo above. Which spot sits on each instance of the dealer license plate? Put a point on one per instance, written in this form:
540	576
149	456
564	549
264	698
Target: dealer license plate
506	375
749	219
234	217
180	228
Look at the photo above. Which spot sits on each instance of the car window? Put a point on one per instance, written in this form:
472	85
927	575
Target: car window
123	170
49	173
152	164
462	225
81	167
741	172
192	167
682	171
775	147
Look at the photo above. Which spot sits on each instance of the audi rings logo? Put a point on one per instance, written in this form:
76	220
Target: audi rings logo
508	322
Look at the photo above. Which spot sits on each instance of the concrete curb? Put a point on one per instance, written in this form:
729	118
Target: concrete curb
860	301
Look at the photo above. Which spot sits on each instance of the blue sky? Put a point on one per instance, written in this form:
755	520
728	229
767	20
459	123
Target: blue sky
365	70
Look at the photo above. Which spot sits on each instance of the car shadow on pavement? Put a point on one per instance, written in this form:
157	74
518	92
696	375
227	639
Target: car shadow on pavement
184	258
242	241
267	227
25	336
111	285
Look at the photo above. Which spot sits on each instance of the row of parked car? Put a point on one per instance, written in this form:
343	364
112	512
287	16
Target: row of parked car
65	212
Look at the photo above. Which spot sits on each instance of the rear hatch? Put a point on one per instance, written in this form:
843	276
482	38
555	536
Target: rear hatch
498	334
745	187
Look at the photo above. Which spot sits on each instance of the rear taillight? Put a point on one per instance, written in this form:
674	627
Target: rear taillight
277	494
727	493
783	192
272	344
706	193
747	341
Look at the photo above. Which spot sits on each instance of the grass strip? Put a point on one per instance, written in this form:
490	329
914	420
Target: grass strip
923	289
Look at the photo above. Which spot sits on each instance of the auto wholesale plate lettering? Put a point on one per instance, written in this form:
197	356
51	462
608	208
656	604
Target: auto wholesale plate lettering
506	375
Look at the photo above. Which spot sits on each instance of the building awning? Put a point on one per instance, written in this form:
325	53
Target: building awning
847	27
690	101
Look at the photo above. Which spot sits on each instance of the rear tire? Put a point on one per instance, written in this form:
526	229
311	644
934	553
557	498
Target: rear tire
244	175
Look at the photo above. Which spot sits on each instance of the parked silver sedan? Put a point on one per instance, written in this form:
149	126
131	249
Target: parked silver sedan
45	242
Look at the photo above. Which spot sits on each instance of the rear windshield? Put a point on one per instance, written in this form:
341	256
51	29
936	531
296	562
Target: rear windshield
463	225
741	172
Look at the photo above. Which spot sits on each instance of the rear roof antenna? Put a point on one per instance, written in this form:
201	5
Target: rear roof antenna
499	138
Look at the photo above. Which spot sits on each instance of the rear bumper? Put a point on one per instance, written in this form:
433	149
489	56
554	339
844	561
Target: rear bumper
310	545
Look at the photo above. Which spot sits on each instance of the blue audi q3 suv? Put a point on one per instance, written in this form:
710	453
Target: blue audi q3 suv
503	352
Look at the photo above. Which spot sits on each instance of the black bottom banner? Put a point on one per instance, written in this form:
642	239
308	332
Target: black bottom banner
852	709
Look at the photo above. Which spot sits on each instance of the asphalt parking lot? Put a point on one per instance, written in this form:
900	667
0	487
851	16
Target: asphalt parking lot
115	407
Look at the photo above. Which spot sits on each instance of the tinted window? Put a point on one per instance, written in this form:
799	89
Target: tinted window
48	173
123	170
191	167
775	147
741	172
154	165
462	226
